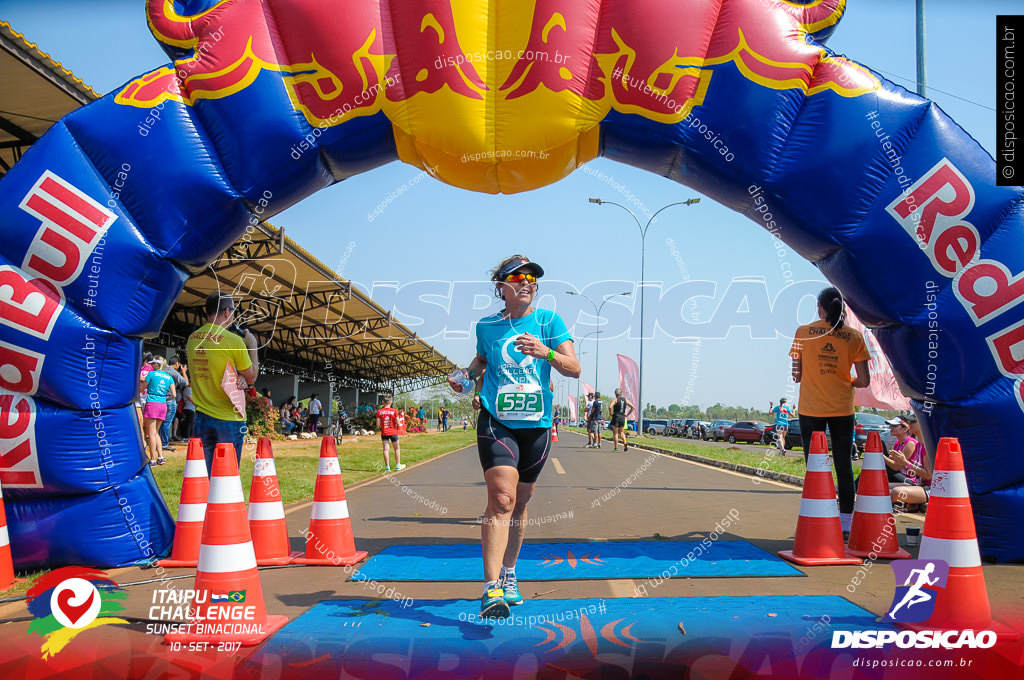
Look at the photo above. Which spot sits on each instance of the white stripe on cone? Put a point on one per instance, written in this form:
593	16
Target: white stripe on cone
226	490
818	507
195	468
875	505
949	484
873	461
220	559
330	510
818	462
329	466
191	512
961	552
266	511
4	538
264	468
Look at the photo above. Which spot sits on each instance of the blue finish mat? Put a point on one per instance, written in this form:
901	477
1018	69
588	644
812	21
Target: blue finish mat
574	561
376	638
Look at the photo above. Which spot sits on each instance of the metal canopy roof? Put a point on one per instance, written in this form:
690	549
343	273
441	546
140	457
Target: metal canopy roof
307	318
36	93
309	321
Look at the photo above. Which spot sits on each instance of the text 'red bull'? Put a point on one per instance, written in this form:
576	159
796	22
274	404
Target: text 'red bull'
933	211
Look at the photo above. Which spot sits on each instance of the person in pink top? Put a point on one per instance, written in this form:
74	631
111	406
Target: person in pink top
908	458
147	366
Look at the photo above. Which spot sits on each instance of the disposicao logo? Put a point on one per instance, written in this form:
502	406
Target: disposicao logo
69	600
914	601
924	581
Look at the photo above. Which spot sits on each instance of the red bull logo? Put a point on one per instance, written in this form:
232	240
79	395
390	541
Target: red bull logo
334	67
551	70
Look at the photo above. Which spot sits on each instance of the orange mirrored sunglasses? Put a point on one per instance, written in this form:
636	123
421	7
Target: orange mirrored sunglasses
519	277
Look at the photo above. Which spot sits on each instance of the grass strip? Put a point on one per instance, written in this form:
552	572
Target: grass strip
296	462
789	469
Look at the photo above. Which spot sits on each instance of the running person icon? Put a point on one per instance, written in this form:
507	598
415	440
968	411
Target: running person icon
916	594
515	352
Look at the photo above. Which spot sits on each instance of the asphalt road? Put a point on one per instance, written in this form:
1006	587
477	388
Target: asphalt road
440	501
672	498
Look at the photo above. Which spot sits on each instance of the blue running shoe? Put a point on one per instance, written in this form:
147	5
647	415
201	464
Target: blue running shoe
511	588
493	605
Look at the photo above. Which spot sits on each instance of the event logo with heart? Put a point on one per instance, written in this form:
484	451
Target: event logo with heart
70	600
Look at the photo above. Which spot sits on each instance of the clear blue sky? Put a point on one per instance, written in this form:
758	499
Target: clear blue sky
437	232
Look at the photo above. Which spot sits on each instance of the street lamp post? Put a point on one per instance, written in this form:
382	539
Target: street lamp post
597	345
597	313
643	256
577	396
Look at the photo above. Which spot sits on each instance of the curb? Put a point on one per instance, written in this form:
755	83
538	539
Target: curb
735	467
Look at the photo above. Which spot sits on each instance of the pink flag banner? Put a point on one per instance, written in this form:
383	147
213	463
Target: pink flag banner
629	380
587	389
572	407
883	392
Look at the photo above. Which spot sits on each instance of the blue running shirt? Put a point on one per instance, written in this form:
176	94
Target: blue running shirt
782	415
516	388
159	386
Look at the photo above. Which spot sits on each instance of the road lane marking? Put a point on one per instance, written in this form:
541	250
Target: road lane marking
558	466
622	588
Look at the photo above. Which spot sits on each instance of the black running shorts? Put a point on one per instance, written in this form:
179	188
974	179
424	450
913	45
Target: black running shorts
525	449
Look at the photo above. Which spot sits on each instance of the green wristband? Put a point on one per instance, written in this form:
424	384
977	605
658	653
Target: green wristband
551	354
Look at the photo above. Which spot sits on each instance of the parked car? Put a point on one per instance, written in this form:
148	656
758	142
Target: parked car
871	422
654	426
717	429
699	430
674	427
793	436
746	431
793	440
865	423
688	425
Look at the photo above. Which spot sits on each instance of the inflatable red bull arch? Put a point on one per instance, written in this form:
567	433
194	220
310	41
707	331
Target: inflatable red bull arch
268	101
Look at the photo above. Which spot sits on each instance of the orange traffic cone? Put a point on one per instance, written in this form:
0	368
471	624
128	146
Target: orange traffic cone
228	601
819	536
873	532
195	487
554	435
949	535
266	511
329	540
6	562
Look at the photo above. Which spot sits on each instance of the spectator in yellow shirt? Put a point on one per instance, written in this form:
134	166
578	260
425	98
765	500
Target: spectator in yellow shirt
221	363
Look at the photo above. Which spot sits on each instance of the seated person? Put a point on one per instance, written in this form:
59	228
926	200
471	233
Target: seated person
901	470
287	422
911	494
908	457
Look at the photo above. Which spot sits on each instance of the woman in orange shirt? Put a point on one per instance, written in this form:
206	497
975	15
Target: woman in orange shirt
823	353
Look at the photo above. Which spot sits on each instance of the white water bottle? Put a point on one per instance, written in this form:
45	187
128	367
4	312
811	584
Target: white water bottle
460	377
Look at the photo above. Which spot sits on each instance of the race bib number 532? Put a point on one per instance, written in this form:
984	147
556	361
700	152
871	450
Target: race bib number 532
520	402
